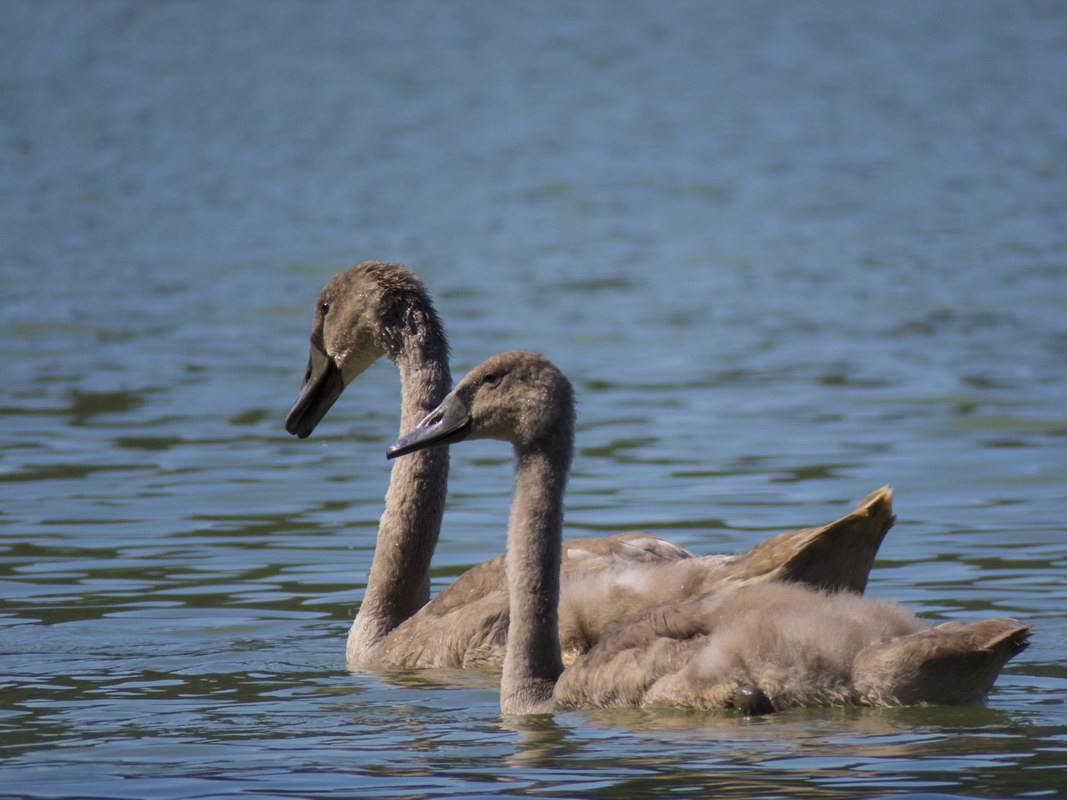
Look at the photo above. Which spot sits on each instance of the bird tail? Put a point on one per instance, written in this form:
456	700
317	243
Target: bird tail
952	664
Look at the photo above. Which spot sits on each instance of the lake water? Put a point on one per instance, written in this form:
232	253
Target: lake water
788	253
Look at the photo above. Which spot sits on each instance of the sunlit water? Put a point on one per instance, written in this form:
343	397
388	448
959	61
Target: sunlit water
787	252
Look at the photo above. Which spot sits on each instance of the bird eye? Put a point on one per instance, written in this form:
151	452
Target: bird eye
325	308
491	379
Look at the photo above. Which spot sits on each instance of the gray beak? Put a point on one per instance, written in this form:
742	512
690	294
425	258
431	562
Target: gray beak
449	422
322	386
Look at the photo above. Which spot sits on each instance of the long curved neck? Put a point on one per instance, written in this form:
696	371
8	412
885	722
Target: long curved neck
399	581
535	543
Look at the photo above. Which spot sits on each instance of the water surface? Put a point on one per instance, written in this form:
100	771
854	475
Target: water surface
788	254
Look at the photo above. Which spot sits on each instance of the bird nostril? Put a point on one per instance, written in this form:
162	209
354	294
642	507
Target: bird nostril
431	419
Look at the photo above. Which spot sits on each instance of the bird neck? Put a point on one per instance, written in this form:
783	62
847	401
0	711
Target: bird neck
535	542
399	580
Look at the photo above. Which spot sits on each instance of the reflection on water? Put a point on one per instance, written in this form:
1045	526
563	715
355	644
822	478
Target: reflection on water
787	254
813	754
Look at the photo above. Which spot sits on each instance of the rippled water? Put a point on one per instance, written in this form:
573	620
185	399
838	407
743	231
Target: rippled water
787	253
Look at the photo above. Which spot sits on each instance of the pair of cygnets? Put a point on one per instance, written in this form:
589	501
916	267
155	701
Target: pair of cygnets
626	620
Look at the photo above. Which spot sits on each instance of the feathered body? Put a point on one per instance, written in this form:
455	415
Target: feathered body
784	644
378	309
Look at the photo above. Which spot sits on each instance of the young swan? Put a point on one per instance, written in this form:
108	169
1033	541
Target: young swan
378	309
758	648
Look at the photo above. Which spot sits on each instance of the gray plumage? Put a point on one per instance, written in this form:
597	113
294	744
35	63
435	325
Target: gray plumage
790	644
380	309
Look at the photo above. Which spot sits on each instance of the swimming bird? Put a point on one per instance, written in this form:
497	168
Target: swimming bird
758	648
377	309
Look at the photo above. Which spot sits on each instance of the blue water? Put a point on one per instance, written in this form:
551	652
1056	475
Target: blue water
788	253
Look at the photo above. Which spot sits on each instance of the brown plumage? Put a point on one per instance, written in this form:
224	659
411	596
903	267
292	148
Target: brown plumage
769	646
378	309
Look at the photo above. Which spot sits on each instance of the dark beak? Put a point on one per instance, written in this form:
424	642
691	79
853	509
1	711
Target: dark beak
449	422
322	386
